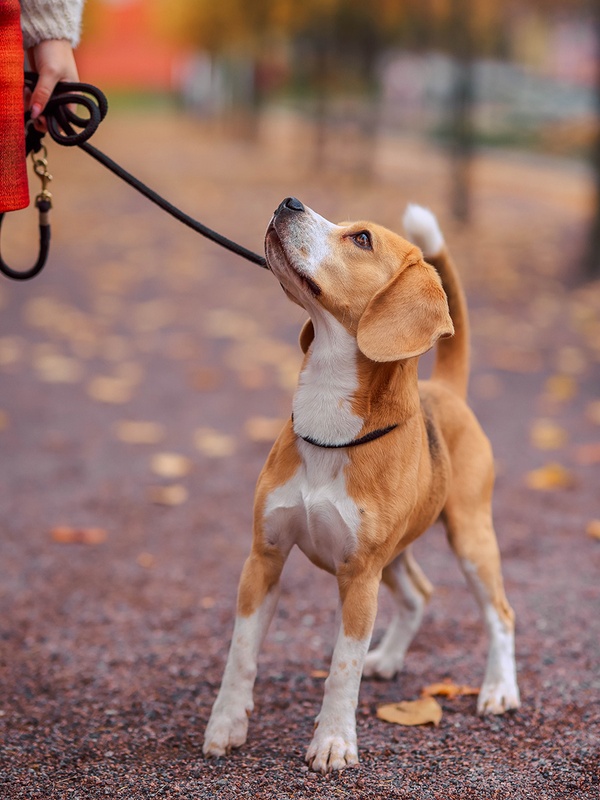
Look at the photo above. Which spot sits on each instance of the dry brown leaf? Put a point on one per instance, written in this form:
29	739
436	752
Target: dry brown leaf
64	534
108	389
146	560
550	477
56	368
263	429
448	689
173	495
587	454
208	602
139	432
547	435
170	465
593	528
412	712
213	443
561	387
319	673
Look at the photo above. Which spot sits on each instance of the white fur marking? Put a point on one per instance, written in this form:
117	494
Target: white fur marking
323	400
421	227
334	742
499	691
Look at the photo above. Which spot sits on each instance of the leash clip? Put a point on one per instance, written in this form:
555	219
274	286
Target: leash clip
40	167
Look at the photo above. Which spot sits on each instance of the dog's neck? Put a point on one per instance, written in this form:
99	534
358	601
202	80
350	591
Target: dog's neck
341	395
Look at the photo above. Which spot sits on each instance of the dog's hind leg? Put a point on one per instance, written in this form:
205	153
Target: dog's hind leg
411	590
468	520
257	598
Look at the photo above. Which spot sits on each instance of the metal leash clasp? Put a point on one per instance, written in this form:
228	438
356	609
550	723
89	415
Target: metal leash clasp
43	203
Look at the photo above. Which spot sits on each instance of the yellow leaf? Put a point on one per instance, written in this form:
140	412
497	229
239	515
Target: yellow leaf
263	429
412	712
138	432
213	443
550	477
547	435
67	535
593	528
561	387
108	389
170	465
319	673
448	689
173	495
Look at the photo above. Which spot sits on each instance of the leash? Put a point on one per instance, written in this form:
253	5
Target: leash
62	122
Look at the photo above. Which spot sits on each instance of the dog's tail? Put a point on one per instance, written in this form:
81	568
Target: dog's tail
452	354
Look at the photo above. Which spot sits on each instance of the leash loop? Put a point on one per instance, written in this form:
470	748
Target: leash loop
69	128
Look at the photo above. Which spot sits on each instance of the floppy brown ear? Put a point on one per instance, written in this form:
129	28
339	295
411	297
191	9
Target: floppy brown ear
406	317
307	334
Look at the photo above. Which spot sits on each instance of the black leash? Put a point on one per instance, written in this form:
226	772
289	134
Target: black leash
62	122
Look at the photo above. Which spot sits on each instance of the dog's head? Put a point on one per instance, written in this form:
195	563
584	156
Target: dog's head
374	282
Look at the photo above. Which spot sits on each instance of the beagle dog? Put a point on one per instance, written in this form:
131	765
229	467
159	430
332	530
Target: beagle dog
370	458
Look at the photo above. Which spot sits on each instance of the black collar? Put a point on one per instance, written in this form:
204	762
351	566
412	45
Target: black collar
368	437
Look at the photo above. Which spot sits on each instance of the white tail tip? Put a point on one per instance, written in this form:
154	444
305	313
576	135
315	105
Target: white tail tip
421	227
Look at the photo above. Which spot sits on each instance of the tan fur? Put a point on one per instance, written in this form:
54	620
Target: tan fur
437	462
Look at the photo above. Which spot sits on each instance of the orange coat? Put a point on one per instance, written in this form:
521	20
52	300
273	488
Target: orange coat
14	192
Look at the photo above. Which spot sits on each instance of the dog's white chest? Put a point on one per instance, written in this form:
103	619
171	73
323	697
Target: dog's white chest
313	509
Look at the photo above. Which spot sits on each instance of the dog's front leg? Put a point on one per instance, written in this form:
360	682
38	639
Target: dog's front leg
334	745
257	597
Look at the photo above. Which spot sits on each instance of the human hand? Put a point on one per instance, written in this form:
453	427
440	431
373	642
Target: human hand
54	61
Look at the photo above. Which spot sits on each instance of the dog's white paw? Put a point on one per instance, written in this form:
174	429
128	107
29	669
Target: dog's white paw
225	730
379	664
329	752
498	696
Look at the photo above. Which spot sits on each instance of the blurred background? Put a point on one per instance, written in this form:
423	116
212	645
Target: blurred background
460	74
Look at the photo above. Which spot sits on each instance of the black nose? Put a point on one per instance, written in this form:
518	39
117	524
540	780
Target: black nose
291	203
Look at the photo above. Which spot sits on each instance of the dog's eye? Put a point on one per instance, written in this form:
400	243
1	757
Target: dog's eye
362	239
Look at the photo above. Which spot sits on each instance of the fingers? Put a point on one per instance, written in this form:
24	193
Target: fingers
54	62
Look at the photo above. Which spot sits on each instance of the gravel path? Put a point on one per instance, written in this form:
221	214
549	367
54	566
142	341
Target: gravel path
119	565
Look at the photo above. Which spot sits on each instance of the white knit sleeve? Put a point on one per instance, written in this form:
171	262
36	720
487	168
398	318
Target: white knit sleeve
50	19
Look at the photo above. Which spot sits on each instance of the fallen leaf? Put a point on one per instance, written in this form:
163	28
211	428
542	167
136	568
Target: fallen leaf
550	477
3	420
561	387
67	535
206	379
108	389
139	432
571	361
213	443
263	429
319	673
208	602
173	495
170	465
593	528
56	368
448	689
411	712
547	435
146	560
